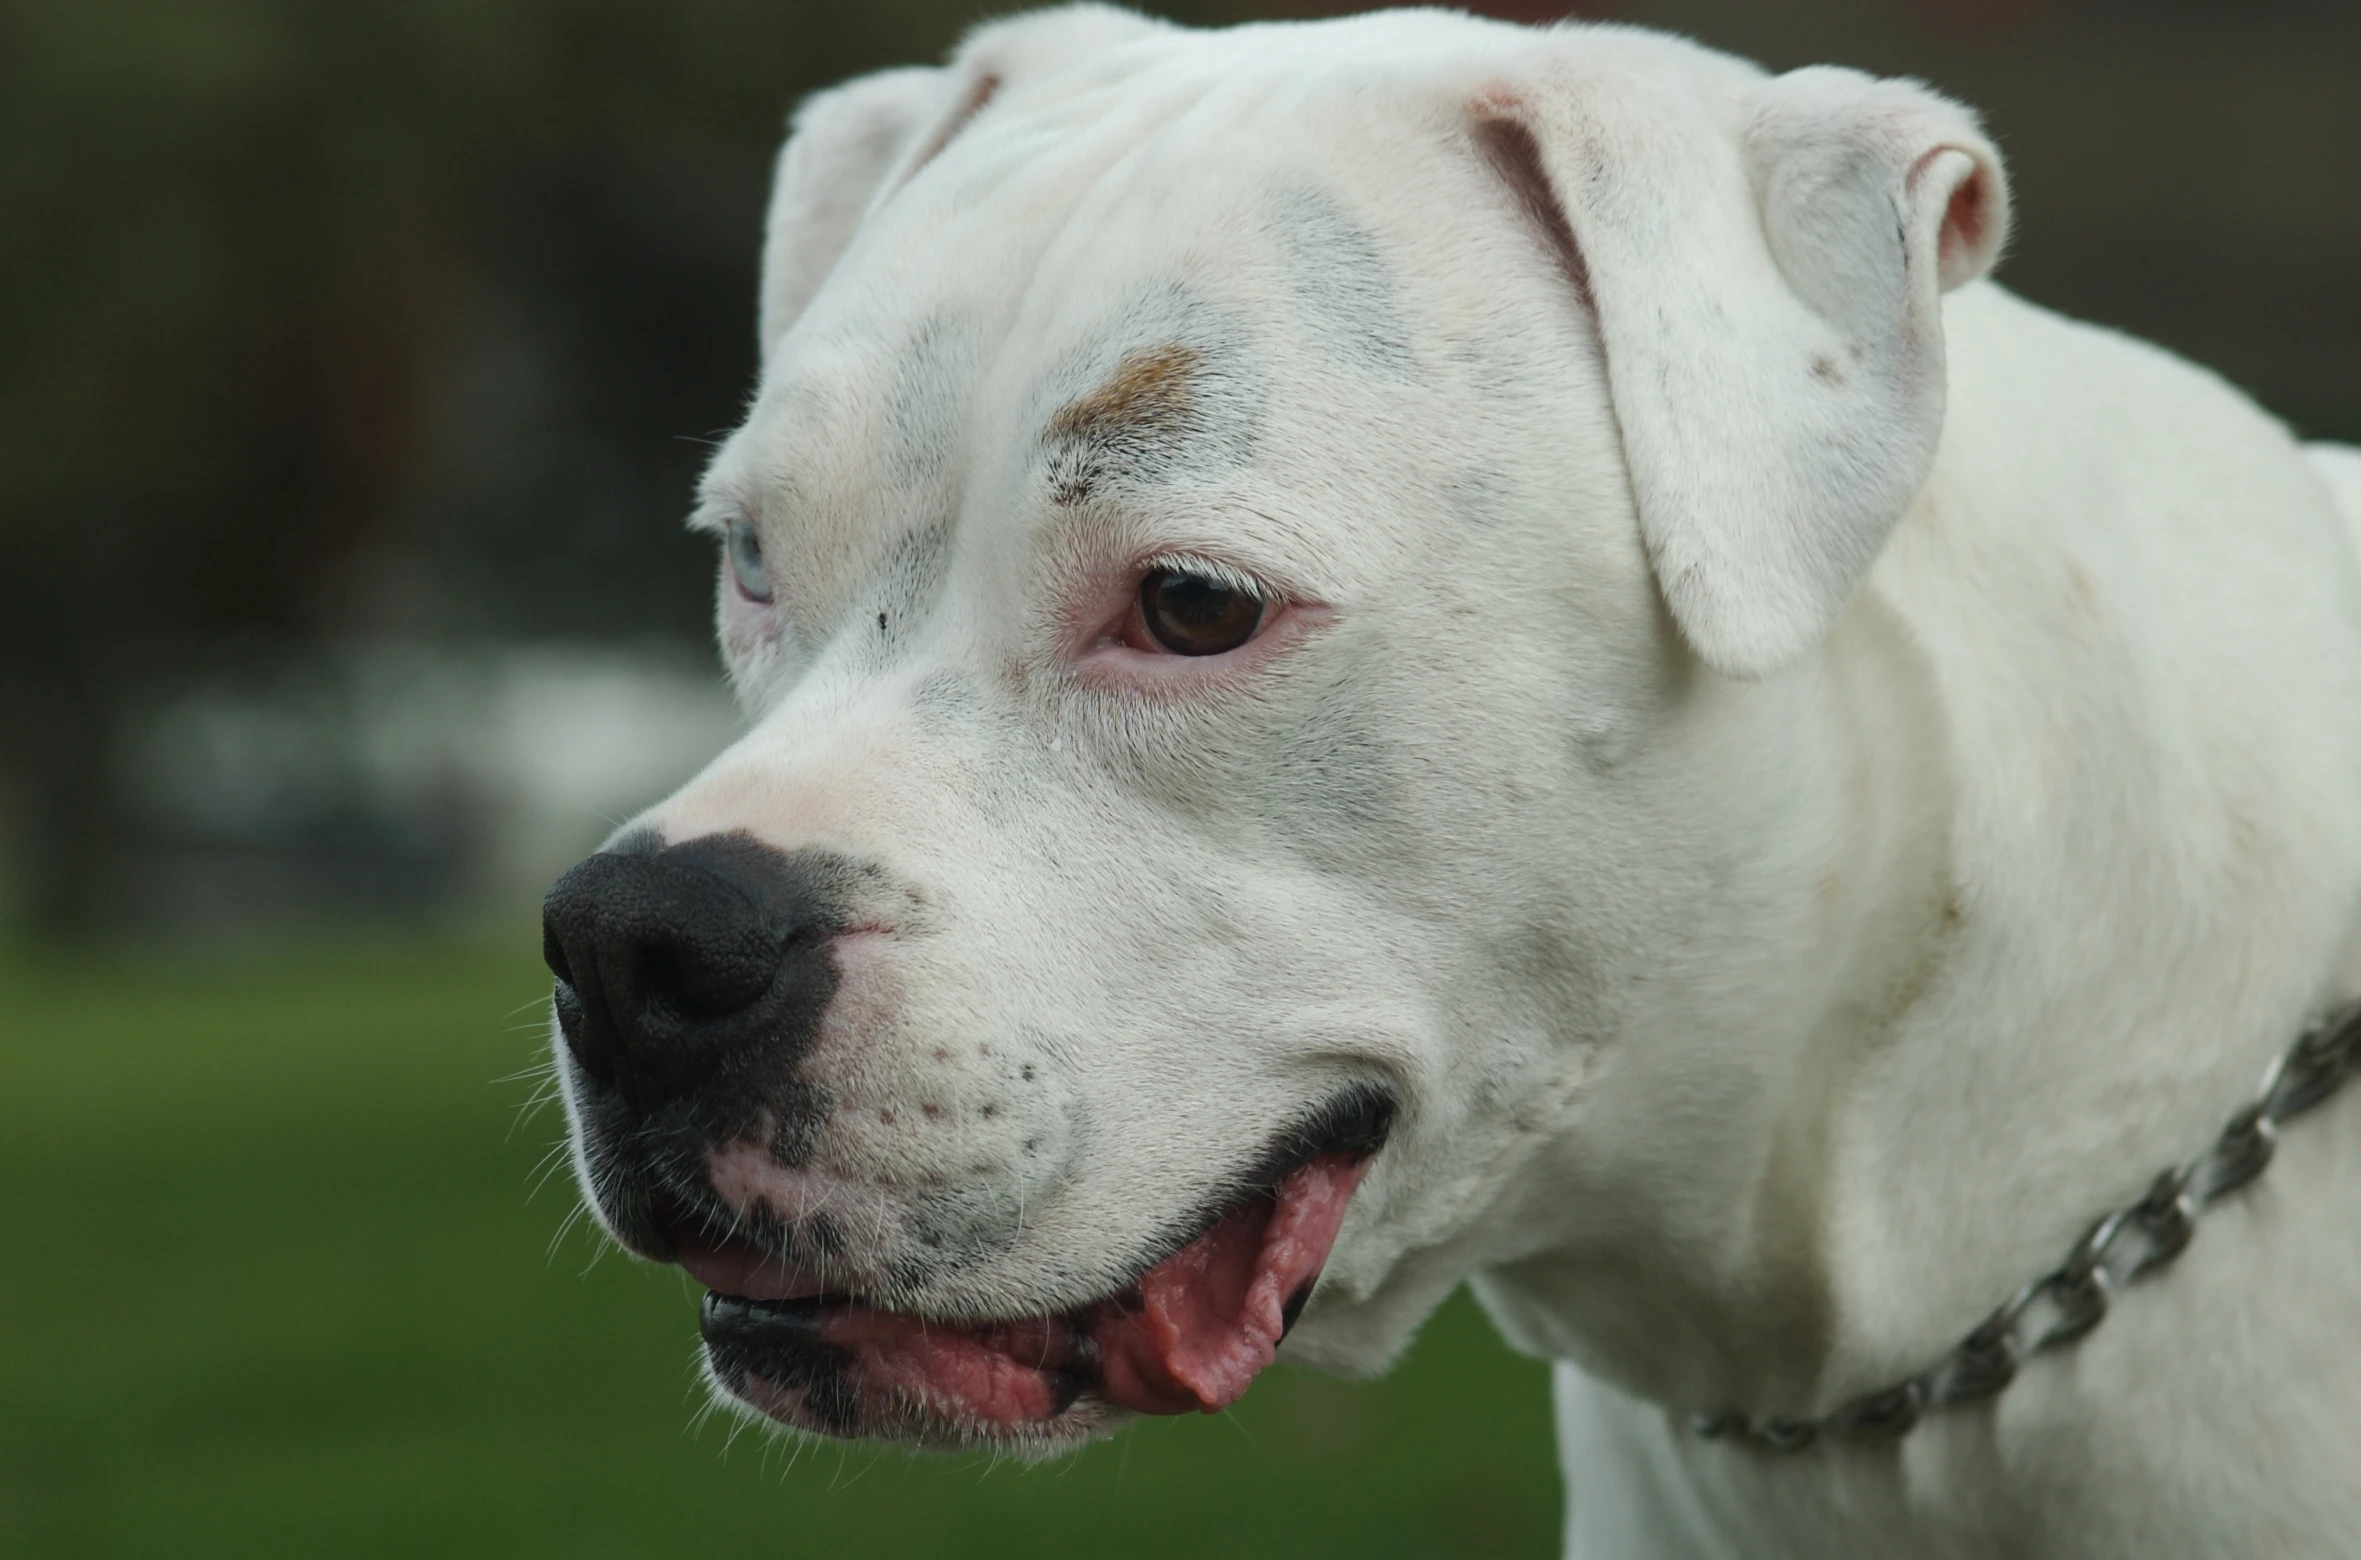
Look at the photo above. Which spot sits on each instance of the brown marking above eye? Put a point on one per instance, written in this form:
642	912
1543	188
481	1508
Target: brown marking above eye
1147	404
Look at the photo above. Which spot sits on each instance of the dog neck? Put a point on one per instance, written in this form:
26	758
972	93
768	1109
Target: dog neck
1689	1195
2086	894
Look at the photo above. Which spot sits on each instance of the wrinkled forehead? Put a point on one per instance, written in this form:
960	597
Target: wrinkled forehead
1089	288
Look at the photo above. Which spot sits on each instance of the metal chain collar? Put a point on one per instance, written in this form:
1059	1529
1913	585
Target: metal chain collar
2061	1307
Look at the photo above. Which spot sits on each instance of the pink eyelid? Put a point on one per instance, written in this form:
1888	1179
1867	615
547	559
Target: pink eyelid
1105	653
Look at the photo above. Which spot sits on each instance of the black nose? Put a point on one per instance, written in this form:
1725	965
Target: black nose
677	965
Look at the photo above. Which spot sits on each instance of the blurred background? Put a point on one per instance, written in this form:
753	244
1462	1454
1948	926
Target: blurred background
356	359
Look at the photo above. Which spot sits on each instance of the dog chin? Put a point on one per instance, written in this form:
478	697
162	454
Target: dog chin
825	1409
1187	1335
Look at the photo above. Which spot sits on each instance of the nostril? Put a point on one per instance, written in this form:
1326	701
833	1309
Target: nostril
593	1046
658	978
581	1014
553	952
572	936
690	989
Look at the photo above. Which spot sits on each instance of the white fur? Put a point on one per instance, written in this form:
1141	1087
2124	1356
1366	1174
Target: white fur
1800	844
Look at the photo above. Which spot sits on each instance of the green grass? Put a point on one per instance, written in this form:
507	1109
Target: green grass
274	1283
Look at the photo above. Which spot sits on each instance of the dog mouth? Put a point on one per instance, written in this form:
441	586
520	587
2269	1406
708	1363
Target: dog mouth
1188	1334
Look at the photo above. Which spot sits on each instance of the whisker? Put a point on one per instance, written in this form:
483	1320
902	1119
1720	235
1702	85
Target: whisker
547	1166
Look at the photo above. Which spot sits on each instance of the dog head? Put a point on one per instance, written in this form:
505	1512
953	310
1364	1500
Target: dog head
1268	571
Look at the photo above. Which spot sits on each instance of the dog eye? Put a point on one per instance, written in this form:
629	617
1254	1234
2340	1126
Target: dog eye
1189	614
744	550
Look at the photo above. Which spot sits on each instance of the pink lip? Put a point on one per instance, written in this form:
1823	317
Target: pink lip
1187	1337
746	1273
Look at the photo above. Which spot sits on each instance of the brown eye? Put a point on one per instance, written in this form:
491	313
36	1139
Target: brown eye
1189	614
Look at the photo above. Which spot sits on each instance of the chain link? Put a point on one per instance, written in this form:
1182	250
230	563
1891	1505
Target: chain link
2066	1304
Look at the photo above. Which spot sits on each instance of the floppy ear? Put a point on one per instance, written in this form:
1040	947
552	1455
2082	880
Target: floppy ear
1767	282
840	147
852	146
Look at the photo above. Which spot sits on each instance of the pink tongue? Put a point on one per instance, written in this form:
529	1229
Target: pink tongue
1215	1309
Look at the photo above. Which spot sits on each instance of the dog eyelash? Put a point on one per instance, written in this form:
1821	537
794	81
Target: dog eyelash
1229	576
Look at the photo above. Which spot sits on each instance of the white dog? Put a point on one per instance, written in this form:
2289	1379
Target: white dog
1408	651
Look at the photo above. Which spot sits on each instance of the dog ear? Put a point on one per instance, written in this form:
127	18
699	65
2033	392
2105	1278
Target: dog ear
1766	271
852	146
840	147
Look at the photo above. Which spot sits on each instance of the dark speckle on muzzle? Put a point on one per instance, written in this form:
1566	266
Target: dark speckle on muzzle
697	969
